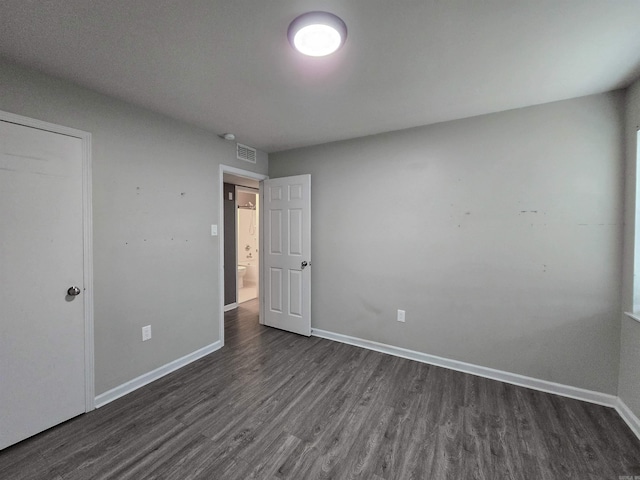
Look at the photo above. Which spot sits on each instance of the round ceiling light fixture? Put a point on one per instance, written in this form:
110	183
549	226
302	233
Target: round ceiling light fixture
317	34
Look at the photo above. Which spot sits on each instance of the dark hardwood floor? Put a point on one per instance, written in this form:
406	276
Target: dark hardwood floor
273	405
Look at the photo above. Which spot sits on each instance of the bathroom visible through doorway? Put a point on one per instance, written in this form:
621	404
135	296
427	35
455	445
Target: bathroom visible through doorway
247	238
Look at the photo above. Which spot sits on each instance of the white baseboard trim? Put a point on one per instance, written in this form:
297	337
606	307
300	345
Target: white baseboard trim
628	416
231	306
507	377
128	387
634	316
529	382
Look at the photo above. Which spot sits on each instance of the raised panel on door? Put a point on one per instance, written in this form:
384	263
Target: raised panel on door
276	229
295	295
295	232
276	299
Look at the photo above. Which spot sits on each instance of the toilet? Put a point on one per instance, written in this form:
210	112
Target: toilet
241	272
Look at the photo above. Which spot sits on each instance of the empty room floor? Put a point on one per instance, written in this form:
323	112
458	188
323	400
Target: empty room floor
273	405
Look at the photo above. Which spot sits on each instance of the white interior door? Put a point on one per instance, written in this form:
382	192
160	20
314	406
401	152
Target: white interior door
42	327
287	253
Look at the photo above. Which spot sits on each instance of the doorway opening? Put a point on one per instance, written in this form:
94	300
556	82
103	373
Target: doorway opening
247	243
240	241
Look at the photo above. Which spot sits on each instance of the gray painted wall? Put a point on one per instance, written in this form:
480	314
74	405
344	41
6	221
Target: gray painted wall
500	235
155	195
629	387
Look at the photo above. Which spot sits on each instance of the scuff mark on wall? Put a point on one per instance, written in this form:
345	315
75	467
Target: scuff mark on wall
599	224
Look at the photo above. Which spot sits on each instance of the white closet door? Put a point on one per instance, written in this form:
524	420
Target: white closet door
42	357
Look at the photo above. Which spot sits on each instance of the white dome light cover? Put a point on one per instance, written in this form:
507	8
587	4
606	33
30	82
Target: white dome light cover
317	33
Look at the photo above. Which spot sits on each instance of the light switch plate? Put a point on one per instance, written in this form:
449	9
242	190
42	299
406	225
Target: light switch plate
146	333
214	230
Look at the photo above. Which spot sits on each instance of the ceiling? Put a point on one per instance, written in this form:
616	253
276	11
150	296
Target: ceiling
226	65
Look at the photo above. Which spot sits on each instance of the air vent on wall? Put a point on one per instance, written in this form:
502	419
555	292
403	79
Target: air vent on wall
245	153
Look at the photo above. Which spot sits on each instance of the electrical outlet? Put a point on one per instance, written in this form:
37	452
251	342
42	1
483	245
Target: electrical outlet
401	314
146	333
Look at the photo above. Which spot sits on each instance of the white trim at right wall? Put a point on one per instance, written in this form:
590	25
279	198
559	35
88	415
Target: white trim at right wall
513	378
628	416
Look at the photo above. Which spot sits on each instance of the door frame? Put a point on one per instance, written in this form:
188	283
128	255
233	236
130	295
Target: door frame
253	176
87	231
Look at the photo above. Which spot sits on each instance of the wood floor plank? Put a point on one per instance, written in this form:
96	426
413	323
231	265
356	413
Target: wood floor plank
327	403
361	459
301	459
408	448
274	454
274	405
397	440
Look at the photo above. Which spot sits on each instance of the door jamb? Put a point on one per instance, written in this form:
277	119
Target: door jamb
87	225
254	176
